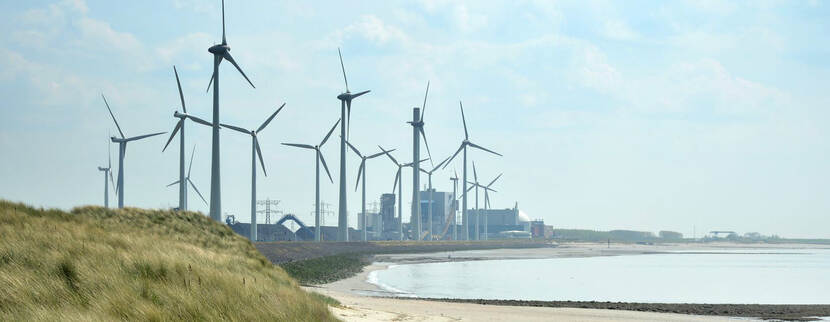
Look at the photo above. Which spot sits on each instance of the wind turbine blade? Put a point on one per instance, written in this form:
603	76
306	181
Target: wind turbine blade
424	171
210	82
456	173
235	128
326	167
440	164
329	134
113	116
463	119
174	182
354	149
494	180
348	122
181	96
423	134
359	172
197	191
475	175
482	148
262	127
389	154
109	157
259	154
343	68
190	167
228	57
304	146
224	41
424	107
143	136
175	130
397	175
360	94
199	120
112	181
413	163
453	156
379	154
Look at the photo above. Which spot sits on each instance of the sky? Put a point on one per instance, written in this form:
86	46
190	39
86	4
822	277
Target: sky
649	115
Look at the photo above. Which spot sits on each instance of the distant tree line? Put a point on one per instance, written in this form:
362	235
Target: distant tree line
616	235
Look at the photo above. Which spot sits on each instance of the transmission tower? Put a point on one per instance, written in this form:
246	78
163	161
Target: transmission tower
267	211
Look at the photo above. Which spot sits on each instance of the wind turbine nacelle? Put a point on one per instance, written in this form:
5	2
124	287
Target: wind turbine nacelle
179	115
116	139
344	96
219	49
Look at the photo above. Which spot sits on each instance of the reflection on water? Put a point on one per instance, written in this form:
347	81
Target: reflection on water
769	276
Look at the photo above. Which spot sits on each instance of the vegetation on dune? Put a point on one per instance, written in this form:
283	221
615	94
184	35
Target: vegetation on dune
133	264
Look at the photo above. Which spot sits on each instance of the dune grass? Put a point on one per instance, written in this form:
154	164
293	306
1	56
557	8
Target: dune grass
95	264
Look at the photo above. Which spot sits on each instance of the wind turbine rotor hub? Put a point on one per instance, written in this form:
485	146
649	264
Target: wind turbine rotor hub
219	49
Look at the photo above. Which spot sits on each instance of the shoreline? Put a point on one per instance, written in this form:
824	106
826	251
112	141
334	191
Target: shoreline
365	301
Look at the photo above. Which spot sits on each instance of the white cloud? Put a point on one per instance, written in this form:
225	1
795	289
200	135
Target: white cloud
619	30
466	20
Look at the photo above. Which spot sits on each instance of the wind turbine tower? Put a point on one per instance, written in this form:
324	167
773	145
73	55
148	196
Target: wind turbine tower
345	115
255	152
187	180
220	52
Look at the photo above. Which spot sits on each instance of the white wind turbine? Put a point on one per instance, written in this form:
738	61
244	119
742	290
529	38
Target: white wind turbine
255	152
431	200
187	180
417	132
345	116
362	170
398	176
464	145
107	173
122	150
486	188
220	52
318	157
180	126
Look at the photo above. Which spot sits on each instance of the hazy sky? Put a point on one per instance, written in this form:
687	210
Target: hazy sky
610	115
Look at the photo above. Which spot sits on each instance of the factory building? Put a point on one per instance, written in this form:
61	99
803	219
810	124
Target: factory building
442	203
501	220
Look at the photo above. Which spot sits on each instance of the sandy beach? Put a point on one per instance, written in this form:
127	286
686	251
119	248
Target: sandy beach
363	301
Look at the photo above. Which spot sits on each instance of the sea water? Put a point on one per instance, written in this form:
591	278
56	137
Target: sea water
744	276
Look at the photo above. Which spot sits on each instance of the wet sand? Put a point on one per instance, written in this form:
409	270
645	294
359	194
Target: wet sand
363	301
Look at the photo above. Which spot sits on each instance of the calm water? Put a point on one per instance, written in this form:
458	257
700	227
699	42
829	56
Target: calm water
770	276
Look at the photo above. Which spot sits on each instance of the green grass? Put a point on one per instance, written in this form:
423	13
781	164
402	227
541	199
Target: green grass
94	264
327	269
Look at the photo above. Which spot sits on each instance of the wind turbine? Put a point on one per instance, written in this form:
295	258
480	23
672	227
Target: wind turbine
122	149
186	179
180	126
487	203
107	173
345	115
400	191
220	52
362	170
318	157
486	188
429	206
255	152
464	145
418	131
454	180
